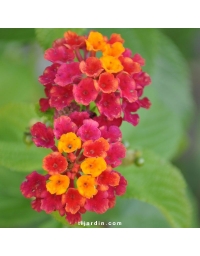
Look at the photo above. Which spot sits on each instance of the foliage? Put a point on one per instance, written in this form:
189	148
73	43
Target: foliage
157	194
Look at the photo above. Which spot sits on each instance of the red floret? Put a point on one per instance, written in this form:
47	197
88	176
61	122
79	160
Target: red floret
73	201
85	92
34	185
91	67
55	163
108	83
42	136
61	97
99	203
96	148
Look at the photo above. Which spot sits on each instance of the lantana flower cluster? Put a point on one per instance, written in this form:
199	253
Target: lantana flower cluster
92	85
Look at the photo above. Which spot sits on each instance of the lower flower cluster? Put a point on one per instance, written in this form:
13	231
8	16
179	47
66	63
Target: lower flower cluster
79	172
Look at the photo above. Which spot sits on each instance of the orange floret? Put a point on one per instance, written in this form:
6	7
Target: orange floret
95	41
111	64
86	186
114	50
115	38
94	166
129	65
58	184
69	142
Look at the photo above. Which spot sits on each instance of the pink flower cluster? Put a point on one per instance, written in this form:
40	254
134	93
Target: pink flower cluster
117	96
90	97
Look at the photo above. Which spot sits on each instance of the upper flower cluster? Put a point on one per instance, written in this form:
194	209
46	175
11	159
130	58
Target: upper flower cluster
114	81
93	85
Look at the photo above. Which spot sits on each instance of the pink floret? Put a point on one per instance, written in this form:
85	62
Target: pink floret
99	203
62	125
121	188
112	133
44	104
79	117
73	218
127	87
142	79
128	108
110	105
36	204
89	130
127	53
68	73
131	118
138	58
49	74
111	197
103	121
51	203
42	136
59	54
145	103
116	152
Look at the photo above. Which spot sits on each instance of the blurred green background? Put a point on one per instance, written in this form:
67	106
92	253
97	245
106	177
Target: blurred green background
168	134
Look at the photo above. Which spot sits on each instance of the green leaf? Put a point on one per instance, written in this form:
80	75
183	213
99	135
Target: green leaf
46	36
189	163
184	38
160	184
21	158
15	210
18	80
158	130
50	223
126	214
14	153
171	80
18	34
